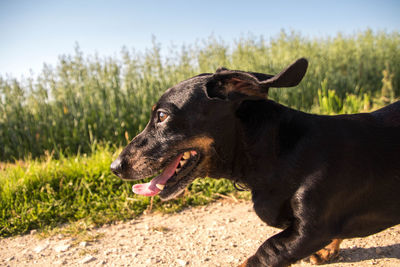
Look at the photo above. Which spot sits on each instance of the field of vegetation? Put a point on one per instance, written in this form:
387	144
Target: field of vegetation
42	194
60	130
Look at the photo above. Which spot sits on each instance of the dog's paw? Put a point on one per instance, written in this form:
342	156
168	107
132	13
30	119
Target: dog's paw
326	254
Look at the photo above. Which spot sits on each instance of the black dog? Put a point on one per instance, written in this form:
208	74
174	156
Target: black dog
320	178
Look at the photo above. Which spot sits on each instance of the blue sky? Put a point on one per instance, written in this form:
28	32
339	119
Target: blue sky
34	32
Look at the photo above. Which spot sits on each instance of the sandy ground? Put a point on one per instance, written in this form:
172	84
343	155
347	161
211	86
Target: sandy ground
224	233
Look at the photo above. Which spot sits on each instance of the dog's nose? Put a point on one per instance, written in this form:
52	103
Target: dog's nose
116	166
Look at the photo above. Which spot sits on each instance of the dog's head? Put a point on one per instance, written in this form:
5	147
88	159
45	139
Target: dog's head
192	129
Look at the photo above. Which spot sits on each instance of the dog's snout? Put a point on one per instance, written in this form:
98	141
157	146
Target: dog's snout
116	166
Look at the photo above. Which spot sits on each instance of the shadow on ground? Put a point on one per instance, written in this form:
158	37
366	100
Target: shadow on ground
364	254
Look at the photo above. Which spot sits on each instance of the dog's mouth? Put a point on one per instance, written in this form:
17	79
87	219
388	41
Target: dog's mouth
176	176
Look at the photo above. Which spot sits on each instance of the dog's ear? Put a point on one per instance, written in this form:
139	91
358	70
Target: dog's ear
289	77
238	85
234	85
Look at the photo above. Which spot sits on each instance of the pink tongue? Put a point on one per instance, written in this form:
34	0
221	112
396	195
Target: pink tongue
150	188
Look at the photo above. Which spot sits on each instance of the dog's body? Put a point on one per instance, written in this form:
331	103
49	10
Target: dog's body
320	178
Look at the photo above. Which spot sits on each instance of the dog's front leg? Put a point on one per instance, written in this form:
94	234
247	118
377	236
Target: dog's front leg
285	248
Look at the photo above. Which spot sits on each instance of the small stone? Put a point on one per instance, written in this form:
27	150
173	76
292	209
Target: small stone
230	259
87	259
60	262
121	226
103	262
60	236
40	248
62	248
10	258
181	262
226	237
33	232
83	244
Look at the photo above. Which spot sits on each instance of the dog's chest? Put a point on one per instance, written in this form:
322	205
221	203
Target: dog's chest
273	209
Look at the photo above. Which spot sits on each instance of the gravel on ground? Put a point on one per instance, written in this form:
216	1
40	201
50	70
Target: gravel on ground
223	233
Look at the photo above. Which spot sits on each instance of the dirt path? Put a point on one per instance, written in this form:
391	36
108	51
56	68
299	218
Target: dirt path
221	234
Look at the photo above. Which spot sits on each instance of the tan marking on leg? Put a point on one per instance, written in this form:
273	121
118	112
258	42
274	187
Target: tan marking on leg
327	253
244	264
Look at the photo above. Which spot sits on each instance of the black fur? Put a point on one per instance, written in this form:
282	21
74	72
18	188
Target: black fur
318	178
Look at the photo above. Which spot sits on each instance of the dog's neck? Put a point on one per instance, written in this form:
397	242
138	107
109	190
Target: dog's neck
266	133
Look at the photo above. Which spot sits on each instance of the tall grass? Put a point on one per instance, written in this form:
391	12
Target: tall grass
89	99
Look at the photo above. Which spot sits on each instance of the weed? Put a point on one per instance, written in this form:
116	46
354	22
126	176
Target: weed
85	100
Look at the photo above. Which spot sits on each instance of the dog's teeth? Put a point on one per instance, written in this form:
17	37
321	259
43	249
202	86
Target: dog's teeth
177	170
160	186
182	162
186	155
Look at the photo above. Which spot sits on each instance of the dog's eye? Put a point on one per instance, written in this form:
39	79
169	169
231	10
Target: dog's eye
161	116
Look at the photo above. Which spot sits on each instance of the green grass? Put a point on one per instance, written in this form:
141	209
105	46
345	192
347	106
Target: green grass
84	99
45	193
